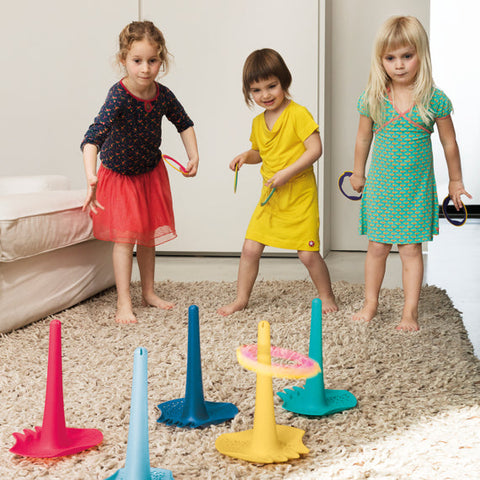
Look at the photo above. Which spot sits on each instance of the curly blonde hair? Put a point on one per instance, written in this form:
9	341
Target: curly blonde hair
144	30
398	32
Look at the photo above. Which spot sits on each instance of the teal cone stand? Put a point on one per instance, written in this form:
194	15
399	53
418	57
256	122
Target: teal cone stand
314	399
193	411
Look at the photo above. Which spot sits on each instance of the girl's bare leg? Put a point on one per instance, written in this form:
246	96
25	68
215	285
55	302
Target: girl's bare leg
146	265
122	266
320	276
247	274
375	263
412	277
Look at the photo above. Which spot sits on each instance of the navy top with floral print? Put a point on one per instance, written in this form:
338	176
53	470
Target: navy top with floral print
128	130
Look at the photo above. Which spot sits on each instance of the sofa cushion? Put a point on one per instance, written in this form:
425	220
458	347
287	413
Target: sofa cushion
33	183
34	223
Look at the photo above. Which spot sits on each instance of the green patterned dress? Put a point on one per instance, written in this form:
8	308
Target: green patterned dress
399	202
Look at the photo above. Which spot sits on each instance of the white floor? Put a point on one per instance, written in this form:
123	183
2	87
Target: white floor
452	263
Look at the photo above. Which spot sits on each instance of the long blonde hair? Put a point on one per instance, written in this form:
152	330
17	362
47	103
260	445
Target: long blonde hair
398	32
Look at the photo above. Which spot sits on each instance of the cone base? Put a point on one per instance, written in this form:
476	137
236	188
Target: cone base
241	445
307	402
215	413
31	444
155	474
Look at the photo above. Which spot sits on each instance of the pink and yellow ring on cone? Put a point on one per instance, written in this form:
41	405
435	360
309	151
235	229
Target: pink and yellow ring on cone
302	366
266	442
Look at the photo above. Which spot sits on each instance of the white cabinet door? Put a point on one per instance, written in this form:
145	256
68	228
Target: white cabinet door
209	41
353	28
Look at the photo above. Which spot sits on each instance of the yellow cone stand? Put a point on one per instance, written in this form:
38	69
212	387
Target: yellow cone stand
267	442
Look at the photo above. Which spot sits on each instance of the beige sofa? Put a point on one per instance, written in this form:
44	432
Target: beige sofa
49	259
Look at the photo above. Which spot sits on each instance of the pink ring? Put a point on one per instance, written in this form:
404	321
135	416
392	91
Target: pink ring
180	168
302	366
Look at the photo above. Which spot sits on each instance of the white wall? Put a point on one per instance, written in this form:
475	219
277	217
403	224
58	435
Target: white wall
455	41
56	69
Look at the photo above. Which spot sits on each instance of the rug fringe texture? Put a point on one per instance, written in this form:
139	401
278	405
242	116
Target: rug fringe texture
418	413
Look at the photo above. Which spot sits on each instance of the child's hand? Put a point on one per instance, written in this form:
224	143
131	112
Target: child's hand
279	179
250	156
91	200
238	161
455	191
357	182
191	168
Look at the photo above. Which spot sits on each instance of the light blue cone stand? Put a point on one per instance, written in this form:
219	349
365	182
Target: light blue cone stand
314	399
137	465
193	411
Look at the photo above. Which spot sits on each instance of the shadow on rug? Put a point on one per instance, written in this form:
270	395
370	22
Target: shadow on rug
418	413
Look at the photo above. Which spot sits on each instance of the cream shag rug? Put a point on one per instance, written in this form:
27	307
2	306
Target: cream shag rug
418	413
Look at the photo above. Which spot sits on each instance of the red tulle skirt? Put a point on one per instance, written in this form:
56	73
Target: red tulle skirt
138	208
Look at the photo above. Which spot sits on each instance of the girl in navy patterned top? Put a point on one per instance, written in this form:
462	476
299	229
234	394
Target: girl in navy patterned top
129	198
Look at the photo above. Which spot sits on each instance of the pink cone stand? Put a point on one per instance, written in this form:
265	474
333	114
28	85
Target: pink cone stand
53	438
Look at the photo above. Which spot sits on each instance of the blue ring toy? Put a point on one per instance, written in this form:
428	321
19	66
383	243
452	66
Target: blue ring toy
341	179
456	223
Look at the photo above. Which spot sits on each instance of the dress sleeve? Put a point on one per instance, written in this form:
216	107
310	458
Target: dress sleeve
441	104
253	134
305	125
102	124
362	106
175	112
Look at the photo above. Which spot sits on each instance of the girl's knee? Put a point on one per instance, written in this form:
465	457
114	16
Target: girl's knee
379	249
143	248
410	250
122	249
309	258
252	250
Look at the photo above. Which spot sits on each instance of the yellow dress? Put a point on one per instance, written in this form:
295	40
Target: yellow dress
290	218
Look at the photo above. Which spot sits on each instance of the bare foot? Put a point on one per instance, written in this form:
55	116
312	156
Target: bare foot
154	300
233	307
125	314
408	323
367	313
329	305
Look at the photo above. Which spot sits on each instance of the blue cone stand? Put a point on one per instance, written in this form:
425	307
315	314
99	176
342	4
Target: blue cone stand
314	399
137	464
193	411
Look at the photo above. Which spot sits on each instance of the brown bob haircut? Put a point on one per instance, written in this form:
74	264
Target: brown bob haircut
261	65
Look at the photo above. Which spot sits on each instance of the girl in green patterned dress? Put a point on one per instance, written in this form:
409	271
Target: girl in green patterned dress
400	107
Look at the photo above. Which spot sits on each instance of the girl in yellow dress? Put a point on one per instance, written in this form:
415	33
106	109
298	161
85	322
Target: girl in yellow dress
286	141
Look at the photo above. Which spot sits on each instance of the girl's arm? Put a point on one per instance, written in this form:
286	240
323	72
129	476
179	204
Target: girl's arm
189	140
93	141
313	151
362	148
90	163
446	132
250	157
